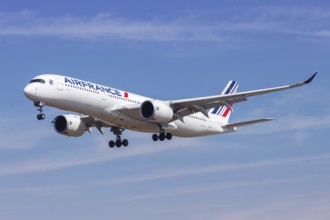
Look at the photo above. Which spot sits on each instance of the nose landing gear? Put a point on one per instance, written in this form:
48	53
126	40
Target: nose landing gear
40	105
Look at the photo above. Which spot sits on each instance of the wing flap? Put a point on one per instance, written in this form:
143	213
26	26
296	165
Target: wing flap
94	122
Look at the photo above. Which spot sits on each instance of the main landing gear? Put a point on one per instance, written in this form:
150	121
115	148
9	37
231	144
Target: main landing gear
40	105
118	143
162	135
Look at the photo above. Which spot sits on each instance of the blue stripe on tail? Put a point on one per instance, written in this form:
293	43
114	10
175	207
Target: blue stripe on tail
230	89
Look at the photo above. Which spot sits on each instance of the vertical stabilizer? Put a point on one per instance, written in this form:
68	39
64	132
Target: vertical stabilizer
222	111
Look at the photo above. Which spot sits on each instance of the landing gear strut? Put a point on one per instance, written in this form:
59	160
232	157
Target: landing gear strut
40	105
118	143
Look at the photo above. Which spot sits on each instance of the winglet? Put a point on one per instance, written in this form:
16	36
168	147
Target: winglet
310	79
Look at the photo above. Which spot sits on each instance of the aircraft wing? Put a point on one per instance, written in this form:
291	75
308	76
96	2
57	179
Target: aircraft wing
184	107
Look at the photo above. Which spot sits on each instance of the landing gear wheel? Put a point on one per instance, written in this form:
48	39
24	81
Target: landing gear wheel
125	143
162	134
155	137
41	116
162	137
168	136
111	144
118	143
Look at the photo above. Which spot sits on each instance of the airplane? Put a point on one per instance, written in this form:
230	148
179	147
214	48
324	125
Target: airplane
106	107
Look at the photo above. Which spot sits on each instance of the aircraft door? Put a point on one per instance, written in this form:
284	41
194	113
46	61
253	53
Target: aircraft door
104	96
59	84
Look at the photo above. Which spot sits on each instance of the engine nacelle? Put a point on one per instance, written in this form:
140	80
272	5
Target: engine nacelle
156	111
69	125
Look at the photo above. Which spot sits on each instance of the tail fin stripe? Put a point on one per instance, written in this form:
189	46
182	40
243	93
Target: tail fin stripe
234	88
229	90
215	110
222	107
227	110
232	85
224	110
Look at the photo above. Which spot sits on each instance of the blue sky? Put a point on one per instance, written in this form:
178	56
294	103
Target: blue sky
169	50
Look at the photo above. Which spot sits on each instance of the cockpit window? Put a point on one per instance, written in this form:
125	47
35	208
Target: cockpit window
38	81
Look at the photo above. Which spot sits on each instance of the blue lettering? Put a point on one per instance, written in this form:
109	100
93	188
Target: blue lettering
91	86
106	90
83	84
97	87
118	93
68	80
77	82
112	91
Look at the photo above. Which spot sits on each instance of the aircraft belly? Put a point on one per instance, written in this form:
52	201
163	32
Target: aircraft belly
193	128
123	121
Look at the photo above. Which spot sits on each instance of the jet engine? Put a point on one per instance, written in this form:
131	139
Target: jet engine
69	125
156	111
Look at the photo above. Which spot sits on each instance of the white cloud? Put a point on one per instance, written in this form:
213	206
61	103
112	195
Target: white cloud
197	170
202	189
85	157
323	33
290	117
40	191
287	123
16	132
62	163
299	21
103	26
303	207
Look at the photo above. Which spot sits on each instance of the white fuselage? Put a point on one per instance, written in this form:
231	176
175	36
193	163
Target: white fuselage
99	101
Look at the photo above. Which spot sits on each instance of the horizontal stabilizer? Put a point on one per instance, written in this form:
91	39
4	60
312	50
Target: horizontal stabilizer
245	123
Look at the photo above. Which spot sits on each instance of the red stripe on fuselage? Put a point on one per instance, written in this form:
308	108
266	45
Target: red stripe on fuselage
125	94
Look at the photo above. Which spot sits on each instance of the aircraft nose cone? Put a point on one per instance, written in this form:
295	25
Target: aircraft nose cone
29	91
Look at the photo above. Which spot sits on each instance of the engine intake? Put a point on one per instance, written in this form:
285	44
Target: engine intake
156	111
69	125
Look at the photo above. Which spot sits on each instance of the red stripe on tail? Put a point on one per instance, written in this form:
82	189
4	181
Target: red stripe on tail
226	112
